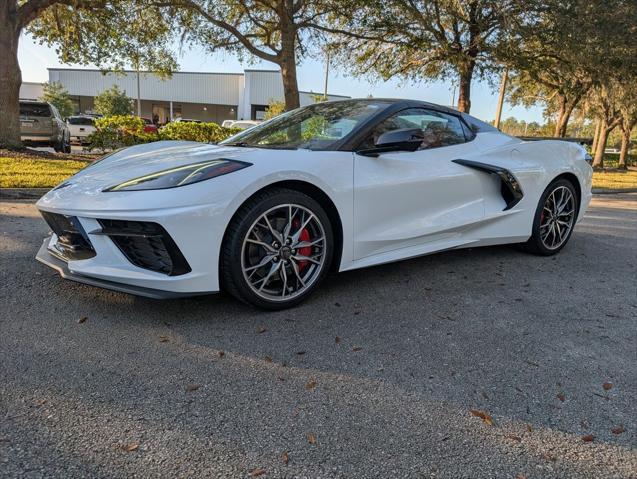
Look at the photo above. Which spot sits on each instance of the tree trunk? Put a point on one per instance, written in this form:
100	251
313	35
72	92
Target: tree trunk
10	78
288	67
602	138
564	116
598	126
464	95
624	151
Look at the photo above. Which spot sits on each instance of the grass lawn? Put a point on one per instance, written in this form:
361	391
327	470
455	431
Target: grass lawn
615	180
36	173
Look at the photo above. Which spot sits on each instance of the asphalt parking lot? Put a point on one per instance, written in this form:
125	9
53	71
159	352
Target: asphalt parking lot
375	376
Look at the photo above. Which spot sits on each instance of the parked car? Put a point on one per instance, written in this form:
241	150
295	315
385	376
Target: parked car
267	213
80	127
186	120
42	125
241	124
149	126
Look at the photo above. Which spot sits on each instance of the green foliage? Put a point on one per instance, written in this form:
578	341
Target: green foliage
202	132
56	94
113	102
427	39
113	34
118	131
126	130
275	108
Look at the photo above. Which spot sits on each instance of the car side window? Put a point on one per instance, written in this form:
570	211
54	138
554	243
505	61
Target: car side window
439	129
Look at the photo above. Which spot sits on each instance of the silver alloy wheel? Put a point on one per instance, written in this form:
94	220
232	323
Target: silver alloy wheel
283	252
557	218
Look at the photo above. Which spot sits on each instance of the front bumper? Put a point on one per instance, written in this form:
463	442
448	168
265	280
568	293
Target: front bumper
109	263
44	256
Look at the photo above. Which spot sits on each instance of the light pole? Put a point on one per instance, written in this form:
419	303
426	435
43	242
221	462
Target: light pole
327	73
503	87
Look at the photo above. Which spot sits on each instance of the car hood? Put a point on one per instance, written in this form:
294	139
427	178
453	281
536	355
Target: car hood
140	160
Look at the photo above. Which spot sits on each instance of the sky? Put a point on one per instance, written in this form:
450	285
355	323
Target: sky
35	59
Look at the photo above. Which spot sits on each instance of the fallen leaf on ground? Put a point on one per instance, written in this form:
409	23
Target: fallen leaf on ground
513	437
607	386
529	428
163	339
549	457
337	339
40	402
132	447
82	319
356	348
192	387
311	438
268	359
285	458
618	430
300	353
262	330
259	471
521	476
482	415
588	438
311	384
561	397
221	354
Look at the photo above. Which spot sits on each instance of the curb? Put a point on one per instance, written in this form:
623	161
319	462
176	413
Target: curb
597	191
22	193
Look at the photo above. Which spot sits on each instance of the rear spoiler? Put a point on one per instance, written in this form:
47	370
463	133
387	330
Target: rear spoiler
581	141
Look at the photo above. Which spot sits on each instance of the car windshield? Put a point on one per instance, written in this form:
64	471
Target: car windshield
315	127
35	110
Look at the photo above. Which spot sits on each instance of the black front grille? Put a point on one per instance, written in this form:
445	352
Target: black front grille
147	245
73	242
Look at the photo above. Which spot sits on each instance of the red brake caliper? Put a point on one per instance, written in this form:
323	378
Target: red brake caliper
306	251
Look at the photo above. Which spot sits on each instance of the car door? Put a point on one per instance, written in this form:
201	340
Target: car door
406	199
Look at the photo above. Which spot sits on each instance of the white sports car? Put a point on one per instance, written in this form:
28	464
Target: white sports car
339	185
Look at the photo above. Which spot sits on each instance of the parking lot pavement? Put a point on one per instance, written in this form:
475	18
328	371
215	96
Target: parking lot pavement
375	376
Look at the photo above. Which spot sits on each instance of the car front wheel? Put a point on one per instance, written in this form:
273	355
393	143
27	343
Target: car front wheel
554	219
277	249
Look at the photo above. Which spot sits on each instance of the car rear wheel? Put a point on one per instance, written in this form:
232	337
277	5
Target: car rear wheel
554	219
277	249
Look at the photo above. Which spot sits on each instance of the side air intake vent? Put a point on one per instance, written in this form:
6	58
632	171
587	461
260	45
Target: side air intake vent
147	245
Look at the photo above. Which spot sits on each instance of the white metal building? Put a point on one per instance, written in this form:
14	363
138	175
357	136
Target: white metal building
200	96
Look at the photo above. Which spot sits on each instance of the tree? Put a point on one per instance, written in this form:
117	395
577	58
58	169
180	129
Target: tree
275	108
277	31
112	102
628	118
83	31
56	94
571	49
431	39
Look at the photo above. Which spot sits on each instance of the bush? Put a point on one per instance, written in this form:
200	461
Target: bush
126	130
117	132
202	132
113	102
611	160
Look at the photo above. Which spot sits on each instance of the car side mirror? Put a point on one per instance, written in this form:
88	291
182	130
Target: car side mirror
405	139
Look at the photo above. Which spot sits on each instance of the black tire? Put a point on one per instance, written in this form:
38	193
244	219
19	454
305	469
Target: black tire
232	277
535	244
66	147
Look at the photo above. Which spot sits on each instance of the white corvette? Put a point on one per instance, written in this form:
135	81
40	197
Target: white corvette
339	185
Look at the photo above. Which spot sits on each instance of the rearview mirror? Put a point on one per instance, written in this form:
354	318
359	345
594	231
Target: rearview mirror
405	139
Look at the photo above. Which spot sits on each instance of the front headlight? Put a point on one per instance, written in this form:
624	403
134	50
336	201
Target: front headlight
181	175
